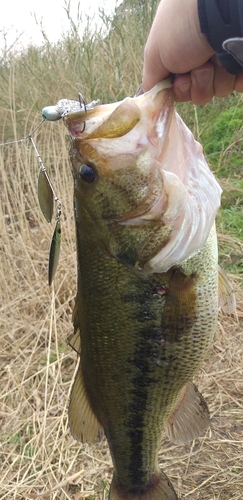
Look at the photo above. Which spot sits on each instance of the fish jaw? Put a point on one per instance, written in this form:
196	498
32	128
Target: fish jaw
107	115
152	178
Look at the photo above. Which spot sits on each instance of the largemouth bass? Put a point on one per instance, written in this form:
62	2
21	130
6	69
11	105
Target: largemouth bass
146	310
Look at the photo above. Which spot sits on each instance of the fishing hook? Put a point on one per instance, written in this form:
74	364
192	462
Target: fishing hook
82	104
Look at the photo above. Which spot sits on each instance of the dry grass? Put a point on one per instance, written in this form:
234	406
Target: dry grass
39	458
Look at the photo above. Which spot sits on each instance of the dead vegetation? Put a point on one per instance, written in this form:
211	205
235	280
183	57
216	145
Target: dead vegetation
39	458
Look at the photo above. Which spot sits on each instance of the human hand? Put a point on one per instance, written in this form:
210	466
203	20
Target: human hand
176	45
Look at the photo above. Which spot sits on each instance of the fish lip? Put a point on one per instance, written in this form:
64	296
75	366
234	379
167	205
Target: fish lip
74	119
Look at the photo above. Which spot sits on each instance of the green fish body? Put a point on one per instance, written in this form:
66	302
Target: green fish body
147	301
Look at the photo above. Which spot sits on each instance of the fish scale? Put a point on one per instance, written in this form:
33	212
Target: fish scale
138	377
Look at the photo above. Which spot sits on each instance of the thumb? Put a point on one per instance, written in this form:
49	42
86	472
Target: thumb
153	69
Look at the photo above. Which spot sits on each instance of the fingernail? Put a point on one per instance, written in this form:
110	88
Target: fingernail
184	88
203	77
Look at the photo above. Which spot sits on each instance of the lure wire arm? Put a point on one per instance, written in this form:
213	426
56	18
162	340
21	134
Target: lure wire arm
25	138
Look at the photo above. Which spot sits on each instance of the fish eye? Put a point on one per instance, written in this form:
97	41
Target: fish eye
88	173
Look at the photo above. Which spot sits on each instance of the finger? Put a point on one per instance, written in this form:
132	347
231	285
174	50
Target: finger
239	83
202	88
196	86
222	85
182	87
224	82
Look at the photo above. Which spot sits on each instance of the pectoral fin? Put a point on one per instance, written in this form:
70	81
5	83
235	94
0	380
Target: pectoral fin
227	300
180	308
83	423
190	417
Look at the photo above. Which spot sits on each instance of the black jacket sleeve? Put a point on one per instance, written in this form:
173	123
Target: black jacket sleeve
222	23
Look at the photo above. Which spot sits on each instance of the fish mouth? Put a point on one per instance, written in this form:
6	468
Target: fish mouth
116	119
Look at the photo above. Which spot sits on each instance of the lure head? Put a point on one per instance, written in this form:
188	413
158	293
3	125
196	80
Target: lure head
64	106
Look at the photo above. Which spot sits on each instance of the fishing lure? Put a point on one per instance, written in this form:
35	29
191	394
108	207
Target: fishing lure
46	197
45	189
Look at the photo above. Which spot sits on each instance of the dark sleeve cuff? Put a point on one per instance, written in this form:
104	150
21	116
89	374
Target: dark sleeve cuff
221	20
